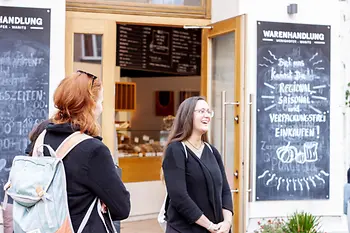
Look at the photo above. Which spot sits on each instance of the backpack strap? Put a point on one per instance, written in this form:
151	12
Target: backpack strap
39	145
208	145
87	216
183	144
39	141
64	148
69	143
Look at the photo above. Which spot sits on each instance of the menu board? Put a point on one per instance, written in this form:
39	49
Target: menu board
159	49
24	79
293	111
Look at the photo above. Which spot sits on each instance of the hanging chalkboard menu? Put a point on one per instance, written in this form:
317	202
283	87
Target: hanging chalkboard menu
159	49
24	79
293	111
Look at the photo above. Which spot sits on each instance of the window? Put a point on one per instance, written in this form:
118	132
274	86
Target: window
174	8
91	47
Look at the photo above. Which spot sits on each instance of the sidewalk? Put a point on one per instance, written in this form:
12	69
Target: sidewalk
144	226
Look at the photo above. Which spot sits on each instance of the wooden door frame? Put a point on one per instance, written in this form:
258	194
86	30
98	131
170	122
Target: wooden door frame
107	29
235	25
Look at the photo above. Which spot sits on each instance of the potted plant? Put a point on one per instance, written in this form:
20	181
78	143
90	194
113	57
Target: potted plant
302	222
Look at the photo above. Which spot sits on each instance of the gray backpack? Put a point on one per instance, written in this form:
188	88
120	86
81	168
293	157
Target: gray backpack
37	185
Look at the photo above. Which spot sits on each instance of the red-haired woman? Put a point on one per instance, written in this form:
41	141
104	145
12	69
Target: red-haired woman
89	167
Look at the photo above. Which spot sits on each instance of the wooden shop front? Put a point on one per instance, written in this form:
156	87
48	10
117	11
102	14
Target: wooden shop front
151	55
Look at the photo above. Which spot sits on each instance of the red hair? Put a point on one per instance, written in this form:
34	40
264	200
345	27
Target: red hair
75	98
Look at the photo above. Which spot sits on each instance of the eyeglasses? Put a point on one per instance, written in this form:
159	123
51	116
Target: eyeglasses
203	111
89	75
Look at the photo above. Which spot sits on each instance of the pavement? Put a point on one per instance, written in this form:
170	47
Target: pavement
144	226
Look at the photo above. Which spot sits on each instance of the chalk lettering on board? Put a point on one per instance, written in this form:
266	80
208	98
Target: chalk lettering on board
293	98
24	79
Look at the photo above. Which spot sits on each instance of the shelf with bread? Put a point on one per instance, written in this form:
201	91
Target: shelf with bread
132	145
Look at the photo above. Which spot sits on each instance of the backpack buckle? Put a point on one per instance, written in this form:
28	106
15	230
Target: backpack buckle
7	186
40	191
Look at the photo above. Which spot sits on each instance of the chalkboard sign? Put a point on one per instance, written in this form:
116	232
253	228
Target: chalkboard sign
24	79
159	49
293	114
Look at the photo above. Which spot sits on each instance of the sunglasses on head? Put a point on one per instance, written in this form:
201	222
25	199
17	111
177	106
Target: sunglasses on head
89	75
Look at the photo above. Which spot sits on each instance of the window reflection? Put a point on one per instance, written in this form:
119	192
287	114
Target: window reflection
168	2
88	47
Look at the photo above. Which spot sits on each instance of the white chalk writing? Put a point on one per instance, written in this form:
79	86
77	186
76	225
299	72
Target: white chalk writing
27	95
294	88
295	132
285	118
21	60
293	35
21	20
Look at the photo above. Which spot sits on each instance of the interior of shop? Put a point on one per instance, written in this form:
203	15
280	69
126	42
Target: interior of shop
163	65
157	68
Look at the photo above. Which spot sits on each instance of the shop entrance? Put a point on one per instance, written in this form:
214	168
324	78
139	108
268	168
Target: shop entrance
152	88
160	66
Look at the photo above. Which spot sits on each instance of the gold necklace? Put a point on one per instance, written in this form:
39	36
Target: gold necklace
194	146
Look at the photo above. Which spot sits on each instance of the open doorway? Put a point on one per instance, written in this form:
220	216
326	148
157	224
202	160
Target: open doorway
159	67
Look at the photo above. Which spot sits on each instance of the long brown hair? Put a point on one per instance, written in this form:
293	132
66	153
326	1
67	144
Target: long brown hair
183	124
75	98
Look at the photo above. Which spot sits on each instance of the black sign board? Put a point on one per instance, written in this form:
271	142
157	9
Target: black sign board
24	79
293	114
159	49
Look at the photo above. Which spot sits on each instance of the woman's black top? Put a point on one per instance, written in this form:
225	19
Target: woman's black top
195	186
90	173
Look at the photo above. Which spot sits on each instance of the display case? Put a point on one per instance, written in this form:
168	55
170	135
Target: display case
146	143
140	154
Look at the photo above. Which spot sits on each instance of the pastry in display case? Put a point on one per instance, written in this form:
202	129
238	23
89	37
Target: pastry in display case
134	143
137	143
166	127
140	150
168	123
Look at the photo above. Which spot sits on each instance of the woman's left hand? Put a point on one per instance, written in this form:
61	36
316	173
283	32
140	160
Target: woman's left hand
224	227
103	208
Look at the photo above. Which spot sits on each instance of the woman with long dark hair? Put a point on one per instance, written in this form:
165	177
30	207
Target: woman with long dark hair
199	196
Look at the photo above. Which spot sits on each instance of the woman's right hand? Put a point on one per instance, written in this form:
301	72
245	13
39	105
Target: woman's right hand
207	224
214	228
